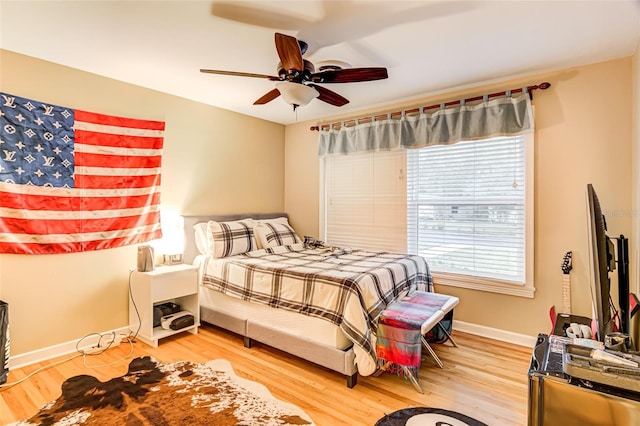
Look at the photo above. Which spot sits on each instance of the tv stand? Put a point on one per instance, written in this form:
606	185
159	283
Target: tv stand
556	398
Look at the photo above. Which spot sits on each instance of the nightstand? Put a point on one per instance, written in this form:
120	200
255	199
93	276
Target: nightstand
170	283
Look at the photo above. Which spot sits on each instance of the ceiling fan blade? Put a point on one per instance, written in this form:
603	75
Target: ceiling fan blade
267	97
241	74
349	75
289	52
329	96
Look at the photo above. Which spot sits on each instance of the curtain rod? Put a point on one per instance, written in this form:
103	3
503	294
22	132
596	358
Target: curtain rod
542	86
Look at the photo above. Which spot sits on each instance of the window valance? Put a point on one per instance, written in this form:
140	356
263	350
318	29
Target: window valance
504	116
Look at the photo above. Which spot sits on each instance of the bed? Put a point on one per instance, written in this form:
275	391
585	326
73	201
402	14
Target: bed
260	280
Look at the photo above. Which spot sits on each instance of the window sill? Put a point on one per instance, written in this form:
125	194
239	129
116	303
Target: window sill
484	284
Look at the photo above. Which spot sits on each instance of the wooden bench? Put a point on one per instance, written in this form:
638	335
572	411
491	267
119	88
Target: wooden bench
401	330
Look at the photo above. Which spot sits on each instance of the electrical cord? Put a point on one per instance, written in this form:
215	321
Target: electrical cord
135	306
112	336
85	355
33	373
102	348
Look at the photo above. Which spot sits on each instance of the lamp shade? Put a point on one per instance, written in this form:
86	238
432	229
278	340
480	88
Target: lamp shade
296	94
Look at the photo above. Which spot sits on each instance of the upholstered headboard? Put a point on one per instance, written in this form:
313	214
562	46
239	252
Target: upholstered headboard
190	250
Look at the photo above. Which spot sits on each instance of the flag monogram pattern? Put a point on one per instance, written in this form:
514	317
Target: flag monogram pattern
72	180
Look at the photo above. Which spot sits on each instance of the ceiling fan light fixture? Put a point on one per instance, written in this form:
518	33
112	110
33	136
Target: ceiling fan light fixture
297	94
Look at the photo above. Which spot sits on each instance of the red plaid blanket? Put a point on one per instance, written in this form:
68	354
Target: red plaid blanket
399	336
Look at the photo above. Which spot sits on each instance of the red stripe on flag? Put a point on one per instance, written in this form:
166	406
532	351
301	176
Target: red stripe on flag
111	120
35	248
124	241
73	204
120	161
115	182
46	227
123	141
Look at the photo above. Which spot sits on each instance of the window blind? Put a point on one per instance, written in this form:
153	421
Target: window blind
366	201
466	207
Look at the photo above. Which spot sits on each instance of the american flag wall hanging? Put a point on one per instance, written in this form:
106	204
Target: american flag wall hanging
74	181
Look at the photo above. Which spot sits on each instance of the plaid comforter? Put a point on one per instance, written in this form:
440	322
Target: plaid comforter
348	288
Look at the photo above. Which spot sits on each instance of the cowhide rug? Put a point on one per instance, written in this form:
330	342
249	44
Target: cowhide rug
183	393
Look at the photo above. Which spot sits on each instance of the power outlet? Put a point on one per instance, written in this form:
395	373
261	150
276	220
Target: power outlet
105	342
111	341
93	350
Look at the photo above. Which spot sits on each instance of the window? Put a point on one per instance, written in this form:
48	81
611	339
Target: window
366	201
466	207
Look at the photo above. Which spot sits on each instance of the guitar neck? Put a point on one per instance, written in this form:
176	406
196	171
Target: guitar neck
566	293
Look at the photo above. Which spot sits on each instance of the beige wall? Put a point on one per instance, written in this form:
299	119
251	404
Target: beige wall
635	251
214	161
301	186
583	135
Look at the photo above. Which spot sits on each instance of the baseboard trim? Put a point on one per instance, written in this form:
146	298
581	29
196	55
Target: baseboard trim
60	349
69	347
495	333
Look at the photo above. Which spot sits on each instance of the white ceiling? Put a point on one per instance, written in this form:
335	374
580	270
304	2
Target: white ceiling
428	47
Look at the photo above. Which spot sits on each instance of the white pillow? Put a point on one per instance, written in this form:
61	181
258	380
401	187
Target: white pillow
272	234
230	238
202	237
282	219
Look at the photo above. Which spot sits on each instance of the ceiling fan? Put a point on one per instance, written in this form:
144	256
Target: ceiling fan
298	79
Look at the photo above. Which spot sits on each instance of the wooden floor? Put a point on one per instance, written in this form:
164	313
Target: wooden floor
482	378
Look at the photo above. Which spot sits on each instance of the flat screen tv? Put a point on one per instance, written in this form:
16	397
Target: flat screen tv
602	261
